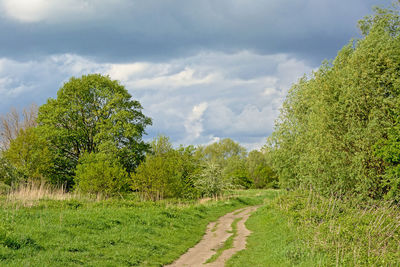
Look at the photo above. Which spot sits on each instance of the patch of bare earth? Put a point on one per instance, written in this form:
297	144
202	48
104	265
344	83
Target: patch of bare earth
216	235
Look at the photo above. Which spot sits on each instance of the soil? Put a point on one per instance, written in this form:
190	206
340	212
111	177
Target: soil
216	235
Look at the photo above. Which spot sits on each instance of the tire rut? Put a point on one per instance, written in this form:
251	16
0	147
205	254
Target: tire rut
216	235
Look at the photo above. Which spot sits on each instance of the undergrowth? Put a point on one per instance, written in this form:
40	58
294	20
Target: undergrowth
347	232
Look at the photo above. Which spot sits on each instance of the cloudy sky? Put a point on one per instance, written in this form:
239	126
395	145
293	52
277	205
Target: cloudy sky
203	70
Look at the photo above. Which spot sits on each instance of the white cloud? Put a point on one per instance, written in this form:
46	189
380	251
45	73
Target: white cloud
26	10
30	11
193	123
194	100
184	78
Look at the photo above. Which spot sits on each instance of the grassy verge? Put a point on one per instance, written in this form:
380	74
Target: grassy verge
106	233
274	242
304	229
350	233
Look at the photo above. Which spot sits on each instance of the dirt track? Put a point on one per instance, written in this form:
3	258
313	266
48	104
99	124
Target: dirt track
217	233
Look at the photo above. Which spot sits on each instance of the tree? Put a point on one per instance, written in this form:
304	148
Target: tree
210	180
9	175
13	122
166	172
335	125
259	170
221	151
230	156
92	114
100	173
31	156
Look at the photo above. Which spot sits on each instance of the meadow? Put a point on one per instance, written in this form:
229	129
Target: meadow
119	231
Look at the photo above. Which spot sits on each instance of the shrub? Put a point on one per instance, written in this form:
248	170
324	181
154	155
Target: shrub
30	155
210	181
9	175
166	172
100	173
4	188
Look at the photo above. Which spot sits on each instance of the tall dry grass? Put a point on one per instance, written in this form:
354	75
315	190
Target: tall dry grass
30	193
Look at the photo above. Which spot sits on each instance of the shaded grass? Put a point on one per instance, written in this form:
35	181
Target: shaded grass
107	232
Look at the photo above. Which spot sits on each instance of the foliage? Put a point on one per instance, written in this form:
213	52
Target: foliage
222	150
230	156
9	175
4	188
30	155
259	171
89	112
100	173
234	169
166	172
14	121
210	180
333	123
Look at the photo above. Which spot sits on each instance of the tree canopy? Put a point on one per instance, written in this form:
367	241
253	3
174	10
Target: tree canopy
337	127
93	114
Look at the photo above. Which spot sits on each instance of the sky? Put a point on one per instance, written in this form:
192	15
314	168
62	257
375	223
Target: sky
203	70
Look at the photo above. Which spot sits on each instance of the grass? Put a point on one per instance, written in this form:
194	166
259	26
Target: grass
302	228
28	194
349	232
274	241
110	232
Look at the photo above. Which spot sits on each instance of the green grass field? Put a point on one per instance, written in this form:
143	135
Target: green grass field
300	228
274	242
107	232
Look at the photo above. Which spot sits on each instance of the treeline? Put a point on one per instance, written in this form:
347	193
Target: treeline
190	172
89	139
339	130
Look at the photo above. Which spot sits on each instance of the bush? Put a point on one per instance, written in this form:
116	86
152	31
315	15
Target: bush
100	173
166	172
4	188
30	155
9	175
210	181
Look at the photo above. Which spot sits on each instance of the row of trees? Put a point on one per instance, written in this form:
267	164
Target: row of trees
189	172
90	139
339	130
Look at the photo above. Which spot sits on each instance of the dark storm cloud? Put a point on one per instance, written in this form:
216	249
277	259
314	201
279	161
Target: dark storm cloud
160	30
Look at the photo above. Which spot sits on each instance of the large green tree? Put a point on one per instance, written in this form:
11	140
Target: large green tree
230	157
259	170
93	114
337	129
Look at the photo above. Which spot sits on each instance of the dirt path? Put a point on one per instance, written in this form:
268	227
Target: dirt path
216	235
